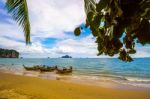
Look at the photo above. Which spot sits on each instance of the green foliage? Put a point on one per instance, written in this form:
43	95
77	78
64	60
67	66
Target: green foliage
5	53
19	11
128	17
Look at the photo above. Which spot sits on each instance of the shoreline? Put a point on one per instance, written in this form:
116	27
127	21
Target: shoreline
24	87
78	79
89	71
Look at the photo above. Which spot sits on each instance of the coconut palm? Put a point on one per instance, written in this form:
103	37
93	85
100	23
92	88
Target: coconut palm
19	11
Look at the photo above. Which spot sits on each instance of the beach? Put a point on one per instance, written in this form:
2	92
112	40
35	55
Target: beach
95	71
95	79
74	49
24	87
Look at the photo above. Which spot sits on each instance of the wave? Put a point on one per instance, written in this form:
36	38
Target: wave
129	80
142	80
132	81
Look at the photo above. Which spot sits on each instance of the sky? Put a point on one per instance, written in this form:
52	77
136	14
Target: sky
52	25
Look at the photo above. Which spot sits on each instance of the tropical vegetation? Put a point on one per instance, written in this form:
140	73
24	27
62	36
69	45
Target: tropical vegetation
6	53
117	25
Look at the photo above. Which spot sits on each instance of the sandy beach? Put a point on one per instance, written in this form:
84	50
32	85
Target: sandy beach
23	87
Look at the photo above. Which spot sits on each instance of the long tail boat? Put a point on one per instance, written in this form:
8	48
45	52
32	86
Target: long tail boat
35	68
42	68
64	70
48	69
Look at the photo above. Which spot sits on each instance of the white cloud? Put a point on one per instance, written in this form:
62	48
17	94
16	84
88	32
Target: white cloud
8	43
11	31
51	19
78	48
142	52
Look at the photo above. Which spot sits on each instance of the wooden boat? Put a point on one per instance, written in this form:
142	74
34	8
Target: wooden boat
64	70
48	69
35	68
42	68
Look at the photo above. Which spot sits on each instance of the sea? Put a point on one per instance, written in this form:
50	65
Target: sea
136	73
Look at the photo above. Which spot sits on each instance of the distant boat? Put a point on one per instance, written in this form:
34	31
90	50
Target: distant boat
66	56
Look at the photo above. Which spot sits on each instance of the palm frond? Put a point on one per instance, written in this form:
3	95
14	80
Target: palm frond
19	11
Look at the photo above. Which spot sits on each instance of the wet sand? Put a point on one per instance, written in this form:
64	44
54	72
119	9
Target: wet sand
23	87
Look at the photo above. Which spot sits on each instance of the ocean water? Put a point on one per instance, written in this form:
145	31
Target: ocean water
136	73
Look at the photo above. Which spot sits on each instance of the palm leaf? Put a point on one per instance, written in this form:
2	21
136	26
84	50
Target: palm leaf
19	11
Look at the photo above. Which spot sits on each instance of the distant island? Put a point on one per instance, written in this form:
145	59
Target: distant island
6	53
66	56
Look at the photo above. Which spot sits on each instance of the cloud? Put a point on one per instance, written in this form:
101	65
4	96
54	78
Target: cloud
52	19
78	48
49	19
142	52
11	31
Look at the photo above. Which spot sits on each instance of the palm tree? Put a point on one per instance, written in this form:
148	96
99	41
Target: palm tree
19	11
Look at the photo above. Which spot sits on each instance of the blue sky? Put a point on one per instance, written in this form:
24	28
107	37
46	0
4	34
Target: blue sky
52	26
